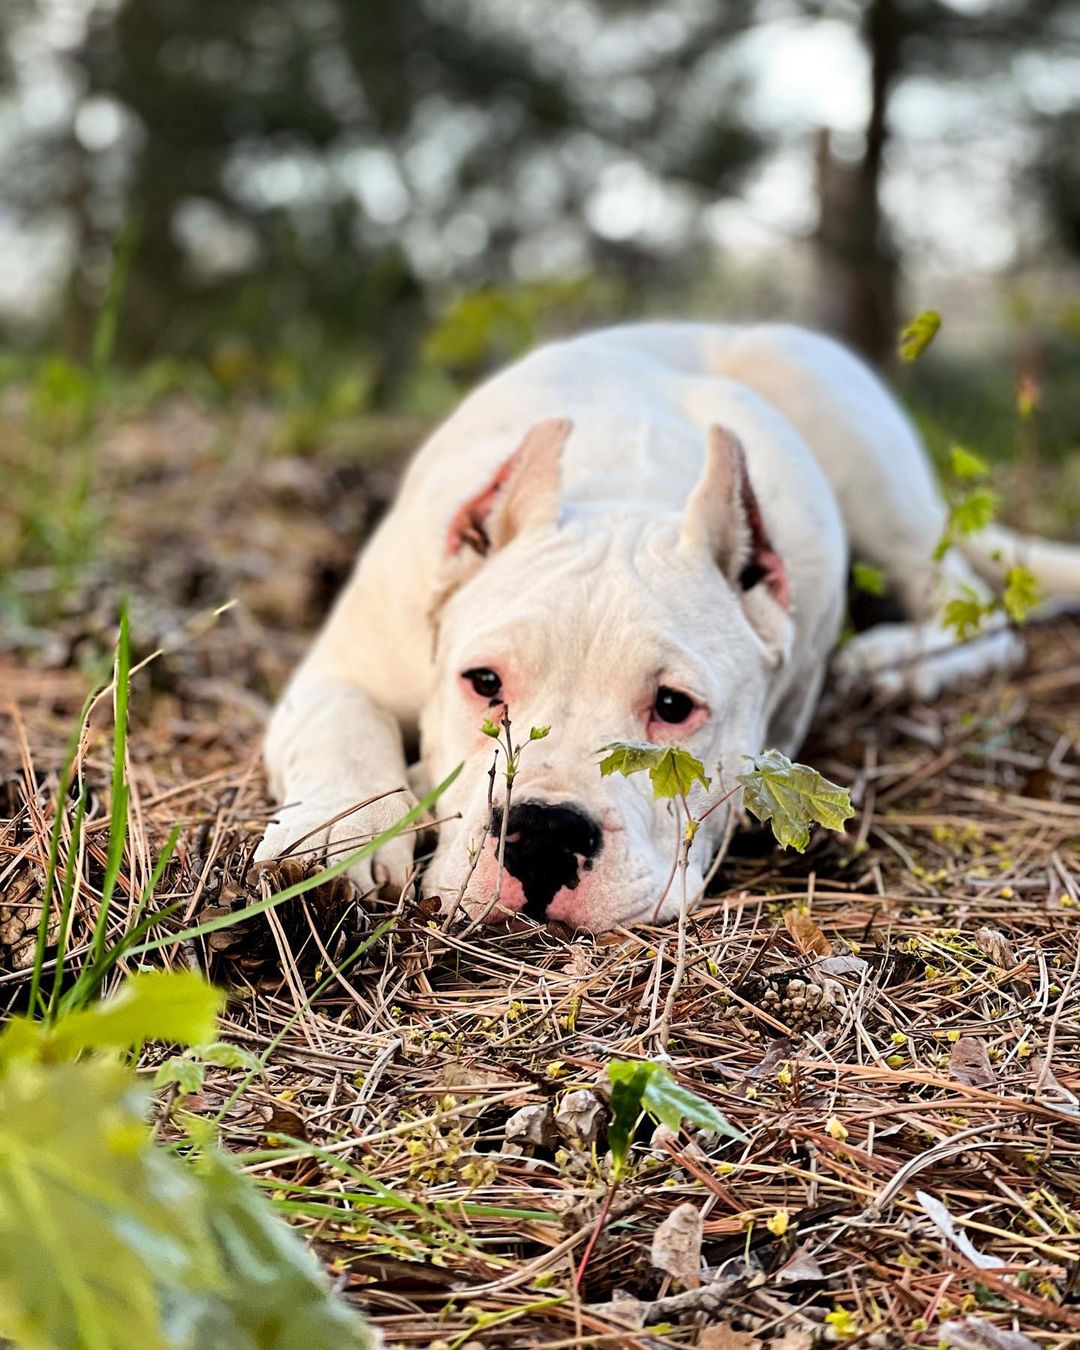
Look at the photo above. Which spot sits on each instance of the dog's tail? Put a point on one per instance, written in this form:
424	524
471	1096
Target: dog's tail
1056	566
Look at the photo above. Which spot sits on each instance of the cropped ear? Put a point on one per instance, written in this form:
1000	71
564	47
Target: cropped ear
523	494
723	518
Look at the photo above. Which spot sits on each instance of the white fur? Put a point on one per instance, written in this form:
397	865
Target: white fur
607	583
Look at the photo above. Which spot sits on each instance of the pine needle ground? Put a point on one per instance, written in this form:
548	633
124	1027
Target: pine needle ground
914	1128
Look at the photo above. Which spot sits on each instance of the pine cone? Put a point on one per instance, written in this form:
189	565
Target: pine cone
20	914
796	1002
323	922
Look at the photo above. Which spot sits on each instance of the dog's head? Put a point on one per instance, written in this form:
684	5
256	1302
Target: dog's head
614	625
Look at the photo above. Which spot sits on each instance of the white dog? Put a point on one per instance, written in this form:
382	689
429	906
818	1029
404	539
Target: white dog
641	534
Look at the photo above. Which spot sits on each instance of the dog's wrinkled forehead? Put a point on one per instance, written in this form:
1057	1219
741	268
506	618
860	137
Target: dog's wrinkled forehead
516	547
611	604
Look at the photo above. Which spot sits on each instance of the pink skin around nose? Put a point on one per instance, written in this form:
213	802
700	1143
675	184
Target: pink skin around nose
485	881
568	906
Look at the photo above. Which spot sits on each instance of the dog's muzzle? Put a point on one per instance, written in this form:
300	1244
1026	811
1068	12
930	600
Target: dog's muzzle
548	846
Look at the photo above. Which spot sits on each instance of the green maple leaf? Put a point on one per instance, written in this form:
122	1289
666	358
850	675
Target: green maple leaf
964	464
964	613
792	797
918	335
672	770
868	579
1021	593
975	511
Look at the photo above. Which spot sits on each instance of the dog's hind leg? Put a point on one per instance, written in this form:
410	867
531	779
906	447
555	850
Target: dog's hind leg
893	511
919	659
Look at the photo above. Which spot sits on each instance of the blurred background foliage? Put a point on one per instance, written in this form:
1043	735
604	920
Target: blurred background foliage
351	207
310	173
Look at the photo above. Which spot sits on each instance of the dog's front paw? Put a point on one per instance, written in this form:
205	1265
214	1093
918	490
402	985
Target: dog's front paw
920	660
325	831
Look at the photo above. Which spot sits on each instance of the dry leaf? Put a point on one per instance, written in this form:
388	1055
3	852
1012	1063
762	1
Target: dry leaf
676	1245
723	1336
470	1079
1047	1085
969	1063
842	965
579	963
580	1117
996	947
784	1047
806	935
476	1077
944	1221
976	1333
531	1125
795	1338
802	1268
280	1117
624	1310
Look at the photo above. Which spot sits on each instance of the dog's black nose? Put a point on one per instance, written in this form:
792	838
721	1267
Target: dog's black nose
547	845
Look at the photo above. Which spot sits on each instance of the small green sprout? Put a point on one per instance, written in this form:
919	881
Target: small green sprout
645	1087
965	464
969	513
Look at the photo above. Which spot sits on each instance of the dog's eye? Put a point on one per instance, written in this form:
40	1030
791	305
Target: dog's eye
672	706
486	683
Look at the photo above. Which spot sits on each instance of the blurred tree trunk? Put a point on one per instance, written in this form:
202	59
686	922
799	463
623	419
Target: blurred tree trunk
858	271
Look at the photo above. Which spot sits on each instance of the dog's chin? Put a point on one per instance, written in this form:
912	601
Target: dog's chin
603	899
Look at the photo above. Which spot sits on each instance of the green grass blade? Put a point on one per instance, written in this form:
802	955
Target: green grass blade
385	1197
159	870
42	940
66	774
118	806
292	1020
66	897
301	887
92	977
108	322
380	1193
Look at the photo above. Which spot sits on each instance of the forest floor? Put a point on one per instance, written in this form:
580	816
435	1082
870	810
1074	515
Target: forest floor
910	1175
